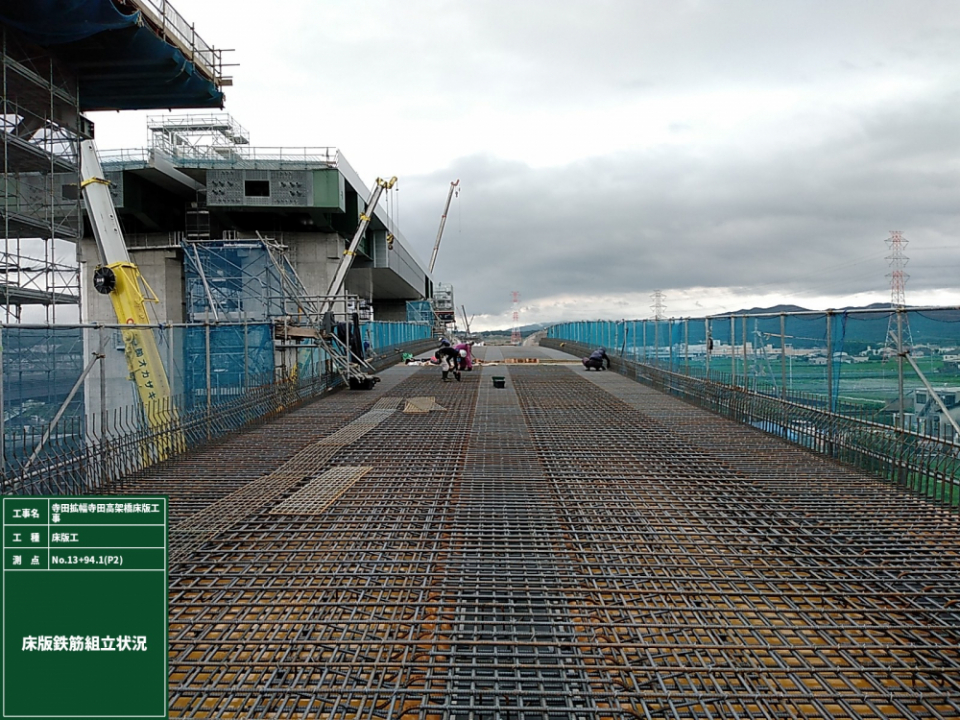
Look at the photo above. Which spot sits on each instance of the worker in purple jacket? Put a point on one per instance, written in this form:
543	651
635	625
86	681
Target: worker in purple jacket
467	362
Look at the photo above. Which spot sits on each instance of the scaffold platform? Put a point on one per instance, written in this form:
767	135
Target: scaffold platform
573	545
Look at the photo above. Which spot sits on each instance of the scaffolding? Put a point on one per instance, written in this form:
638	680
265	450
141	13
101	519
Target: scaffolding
233	279
40	128
217	141
252	280
208	136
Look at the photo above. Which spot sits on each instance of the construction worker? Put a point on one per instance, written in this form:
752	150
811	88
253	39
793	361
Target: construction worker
449	360
466	360
595	361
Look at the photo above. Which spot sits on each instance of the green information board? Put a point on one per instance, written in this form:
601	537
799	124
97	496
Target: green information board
84	607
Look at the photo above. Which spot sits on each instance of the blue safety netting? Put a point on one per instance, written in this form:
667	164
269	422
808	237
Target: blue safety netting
379	336
241	357
854	362
238	278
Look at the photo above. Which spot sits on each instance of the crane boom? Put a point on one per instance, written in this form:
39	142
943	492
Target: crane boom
348	255
120	278
443	221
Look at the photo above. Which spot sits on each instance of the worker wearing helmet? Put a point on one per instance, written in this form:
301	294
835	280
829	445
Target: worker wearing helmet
467	362
596	359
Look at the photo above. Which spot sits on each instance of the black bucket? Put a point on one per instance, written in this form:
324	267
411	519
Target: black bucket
499	381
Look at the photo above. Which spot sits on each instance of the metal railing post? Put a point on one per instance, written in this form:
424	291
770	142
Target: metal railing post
104	412
733	354
783	356
656	341
830	399
746	365
900	394
708	341
206	328
829	362
670	325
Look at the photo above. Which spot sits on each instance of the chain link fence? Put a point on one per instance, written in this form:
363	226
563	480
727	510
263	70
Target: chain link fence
878	387
72	419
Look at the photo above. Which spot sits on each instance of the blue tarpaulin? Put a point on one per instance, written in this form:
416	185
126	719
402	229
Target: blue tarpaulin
120	63
53	22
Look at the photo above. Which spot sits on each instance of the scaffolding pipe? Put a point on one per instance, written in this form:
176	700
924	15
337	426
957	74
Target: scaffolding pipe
206	287
746	372
900	356
733	355
63	408
783	356
709	341
829	363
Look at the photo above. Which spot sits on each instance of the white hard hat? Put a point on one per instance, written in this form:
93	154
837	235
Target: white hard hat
463	353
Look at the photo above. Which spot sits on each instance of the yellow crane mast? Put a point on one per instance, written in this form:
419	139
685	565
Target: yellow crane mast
118	277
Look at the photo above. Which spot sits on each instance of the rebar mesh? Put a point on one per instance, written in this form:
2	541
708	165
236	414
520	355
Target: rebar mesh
560	548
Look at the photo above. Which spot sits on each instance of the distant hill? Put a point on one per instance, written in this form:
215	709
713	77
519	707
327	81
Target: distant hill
860	329
772	309
524	329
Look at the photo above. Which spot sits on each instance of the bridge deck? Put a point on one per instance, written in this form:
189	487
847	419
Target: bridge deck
572	546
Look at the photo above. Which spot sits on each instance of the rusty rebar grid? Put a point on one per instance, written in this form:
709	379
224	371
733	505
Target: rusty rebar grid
560	548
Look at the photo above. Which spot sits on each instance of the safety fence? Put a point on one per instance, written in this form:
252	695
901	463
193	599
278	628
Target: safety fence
877	388
72	418
385	336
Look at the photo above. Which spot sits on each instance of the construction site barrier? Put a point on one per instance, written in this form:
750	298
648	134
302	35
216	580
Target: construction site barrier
71	421
891	445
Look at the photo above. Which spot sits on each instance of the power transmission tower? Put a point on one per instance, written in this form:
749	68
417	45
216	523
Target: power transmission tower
515	335
658	307
899	337
658	310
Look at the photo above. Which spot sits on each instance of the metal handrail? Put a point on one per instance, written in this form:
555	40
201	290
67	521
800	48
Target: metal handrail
234	157
920	463
173	25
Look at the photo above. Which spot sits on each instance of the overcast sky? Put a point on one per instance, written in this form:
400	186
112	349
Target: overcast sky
731	154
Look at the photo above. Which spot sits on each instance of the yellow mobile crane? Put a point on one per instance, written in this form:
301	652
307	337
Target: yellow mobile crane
359	375
118	277
443	221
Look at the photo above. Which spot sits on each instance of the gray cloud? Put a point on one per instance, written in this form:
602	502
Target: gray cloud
620	146
801	218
